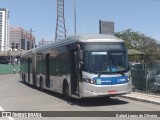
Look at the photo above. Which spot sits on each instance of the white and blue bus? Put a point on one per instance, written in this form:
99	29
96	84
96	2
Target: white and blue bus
79	66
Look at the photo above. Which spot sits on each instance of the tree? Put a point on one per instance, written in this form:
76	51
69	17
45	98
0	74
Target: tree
141	42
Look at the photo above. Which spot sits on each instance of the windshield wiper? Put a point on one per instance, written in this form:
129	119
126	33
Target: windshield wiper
99	74
101	69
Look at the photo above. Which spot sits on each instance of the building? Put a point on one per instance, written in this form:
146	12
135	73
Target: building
21	39
4	29
15	37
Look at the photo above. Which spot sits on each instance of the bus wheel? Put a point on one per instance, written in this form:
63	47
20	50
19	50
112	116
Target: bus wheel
66	91
41	84
108	98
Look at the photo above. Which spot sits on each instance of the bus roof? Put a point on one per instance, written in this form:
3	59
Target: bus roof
93	38
85	38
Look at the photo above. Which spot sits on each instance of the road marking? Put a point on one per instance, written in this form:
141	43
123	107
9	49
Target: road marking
9	118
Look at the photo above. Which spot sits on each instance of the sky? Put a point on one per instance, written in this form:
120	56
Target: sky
40	15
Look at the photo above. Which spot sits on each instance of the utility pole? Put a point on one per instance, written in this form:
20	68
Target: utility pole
75	17
60	23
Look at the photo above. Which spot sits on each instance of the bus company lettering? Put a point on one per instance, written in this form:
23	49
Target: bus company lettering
107	81
99	81
121	80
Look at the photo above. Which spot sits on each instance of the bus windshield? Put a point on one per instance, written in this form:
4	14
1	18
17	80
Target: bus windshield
105	62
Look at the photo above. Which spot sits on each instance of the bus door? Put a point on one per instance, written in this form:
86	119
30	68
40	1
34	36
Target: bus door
29	69
74	72
47	70
34	69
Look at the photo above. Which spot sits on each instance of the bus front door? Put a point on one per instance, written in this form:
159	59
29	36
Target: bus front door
74	72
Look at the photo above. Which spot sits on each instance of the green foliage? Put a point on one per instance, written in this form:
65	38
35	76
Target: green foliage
141	42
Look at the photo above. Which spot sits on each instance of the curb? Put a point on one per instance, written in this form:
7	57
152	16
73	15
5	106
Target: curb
141	99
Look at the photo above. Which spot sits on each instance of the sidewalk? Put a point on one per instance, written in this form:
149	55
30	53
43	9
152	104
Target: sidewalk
155	99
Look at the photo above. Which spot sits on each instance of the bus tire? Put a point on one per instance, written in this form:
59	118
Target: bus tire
41	84
108	98
66	91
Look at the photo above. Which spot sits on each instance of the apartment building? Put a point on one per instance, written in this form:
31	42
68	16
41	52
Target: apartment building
4	29
21	39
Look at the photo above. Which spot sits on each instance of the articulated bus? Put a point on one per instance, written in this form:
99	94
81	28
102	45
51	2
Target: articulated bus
79	66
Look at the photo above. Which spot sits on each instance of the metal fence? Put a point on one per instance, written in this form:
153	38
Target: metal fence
146	78
9	69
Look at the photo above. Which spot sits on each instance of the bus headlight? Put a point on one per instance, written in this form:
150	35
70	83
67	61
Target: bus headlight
129	78
89	80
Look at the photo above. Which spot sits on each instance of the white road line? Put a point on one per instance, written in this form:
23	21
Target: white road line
9	118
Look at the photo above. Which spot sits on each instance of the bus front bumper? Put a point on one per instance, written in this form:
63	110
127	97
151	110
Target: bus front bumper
90	90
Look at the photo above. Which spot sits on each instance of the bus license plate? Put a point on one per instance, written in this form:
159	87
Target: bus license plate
112	92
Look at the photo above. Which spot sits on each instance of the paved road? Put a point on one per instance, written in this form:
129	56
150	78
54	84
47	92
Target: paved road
17	96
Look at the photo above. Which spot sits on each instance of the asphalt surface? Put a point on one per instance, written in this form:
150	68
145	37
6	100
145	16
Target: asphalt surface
17	96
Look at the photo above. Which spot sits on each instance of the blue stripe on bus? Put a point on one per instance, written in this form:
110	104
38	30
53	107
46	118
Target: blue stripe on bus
111	80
